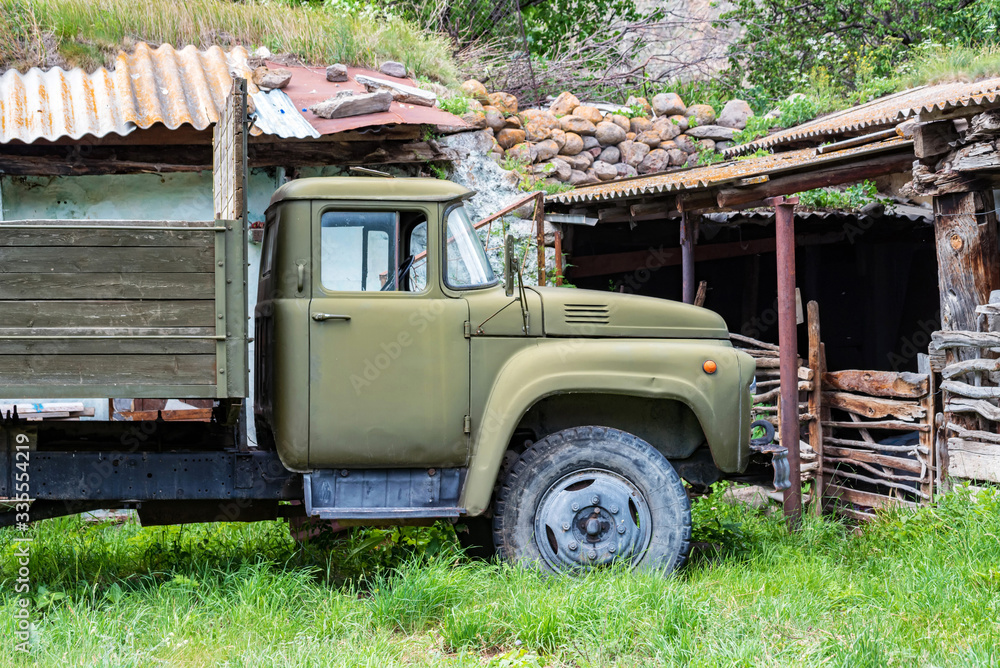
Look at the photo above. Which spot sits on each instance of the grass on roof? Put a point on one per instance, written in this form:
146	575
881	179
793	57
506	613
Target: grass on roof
89	33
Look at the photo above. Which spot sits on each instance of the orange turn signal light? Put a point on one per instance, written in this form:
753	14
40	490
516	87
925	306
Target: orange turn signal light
709	366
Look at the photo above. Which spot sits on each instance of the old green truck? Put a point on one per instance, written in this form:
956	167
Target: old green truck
396	379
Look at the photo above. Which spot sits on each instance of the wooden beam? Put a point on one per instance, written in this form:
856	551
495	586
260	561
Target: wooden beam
872	407
904	385
616	263
847	172
931	139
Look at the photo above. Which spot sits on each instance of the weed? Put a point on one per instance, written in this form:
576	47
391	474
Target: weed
89	33
457	105
850	198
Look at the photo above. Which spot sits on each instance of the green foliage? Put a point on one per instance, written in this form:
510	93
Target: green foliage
911	588
708	156
850	198
89	33
860	46
792	111
438	171
635	110
458	105
548	24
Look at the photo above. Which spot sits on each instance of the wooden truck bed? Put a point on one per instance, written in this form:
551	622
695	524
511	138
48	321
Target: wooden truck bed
129	309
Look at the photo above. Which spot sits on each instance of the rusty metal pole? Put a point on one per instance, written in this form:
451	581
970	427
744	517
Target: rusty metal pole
559	258
784	223
688	229
540	232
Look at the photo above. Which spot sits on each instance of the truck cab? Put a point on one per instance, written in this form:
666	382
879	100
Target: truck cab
397	374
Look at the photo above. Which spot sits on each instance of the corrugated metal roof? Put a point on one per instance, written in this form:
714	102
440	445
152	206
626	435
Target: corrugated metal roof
176	87
884	112
146	87
912	214
275	114
699	178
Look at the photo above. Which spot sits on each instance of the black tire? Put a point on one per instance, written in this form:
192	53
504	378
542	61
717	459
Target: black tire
546	514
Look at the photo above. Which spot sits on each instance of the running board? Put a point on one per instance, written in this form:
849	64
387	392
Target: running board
379	494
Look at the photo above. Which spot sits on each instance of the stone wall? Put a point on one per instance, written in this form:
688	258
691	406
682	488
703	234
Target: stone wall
579	144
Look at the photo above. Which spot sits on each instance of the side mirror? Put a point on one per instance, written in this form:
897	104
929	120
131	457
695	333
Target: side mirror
509	266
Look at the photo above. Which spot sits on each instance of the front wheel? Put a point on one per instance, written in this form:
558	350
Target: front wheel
590	496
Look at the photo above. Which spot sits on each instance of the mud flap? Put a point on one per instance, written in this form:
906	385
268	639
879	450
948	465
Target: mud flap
779	455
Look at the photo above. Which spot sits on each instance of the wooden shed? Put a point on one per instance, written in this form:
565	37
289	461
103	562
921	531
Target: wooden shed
895	395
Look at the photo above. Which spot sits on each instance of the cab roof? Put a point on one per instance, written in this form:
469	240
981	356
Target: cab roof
371	188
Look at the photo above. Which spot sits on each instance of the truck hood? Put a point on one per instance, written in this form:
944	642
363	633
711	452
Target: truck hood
591	313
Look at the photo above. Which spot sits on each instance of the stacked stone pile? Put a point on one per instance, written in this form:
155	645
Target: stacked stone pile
580	144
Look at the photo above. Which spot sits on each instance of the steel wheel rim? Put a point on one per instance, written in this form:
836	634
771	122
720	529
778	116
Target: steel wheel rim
592	518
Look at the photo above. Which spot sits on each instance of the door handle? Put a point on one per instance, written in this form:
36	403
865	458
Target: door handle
321	317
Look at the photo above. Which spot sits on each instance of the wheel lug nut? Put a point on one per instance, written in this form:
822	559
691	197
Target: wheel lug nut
573	545
575	507
595	500
612	549
593	554
614	510
565	526
621	529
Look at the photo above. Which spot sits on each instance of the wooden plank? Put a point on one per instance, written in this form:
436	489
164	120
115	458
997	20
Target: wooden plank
816	402
928	455
965	339
39	259
754	342
984	408
103	237
98	313
970	366
116	346
873	446
911	465
114	390
906	487
42	407
872	407
181	415
83	370
971	391
92	223
974	434
972	460
877	424
71	332
107	286
904	385
868	499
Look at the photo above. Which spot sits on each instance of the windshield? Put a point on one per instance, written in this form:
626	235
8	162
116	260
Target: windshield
466	265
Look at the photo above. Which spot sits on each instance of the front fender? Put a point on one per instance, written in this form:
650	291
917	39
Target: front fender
667	369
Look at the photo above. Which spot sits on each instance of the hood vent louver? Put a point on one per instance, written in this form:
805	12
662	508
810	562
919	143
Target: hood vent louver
586	314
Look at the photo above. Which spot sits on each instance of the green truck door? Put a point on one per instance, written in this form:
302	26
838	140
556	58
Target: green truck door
389	361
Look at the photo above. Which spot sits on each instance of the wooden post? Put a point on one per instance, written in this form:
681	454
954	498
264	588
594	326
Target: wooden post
816	404
927	438
965	233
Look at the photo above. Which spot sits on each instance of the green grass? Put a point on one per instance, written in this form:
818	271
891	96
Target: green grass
89	33
919	589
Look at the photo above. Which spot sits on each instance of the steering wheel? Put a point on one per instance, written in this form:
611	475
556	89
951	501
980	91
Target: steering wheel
403	268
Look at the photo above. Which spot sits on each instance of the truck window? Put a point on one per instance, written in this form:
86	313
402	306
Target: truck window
358	250
466	265
364	251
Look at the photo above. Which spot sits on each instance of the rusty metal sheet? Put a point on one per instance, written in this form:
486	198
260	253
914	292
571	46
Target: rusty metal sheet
700	178
309	86
884	112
